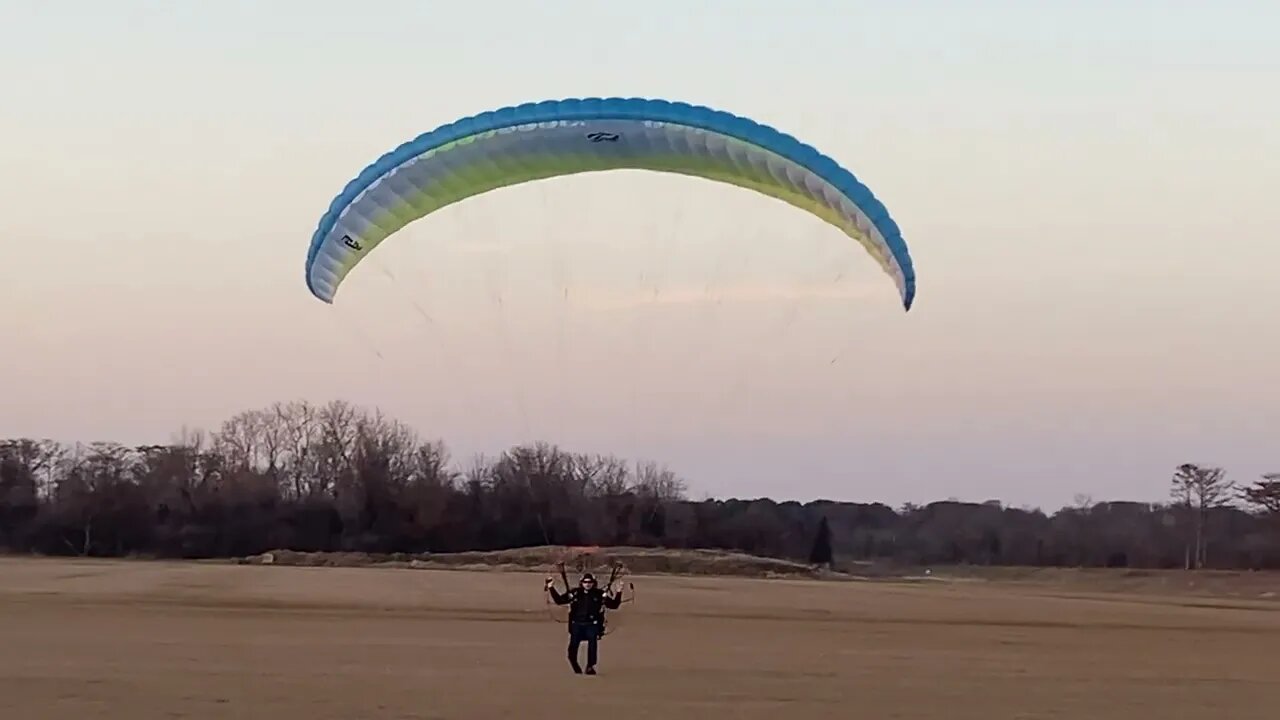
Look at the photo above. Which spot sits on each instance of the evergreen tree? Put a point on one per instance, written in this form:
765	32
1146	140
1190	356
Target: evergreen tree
821	553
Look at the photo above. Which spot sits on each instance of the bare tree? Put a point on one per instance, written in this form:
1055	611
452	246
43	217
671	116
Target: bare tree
27	468
600	475
1200	490
339	432
1264	494
299	432
33	462
657	482
427	496
323	477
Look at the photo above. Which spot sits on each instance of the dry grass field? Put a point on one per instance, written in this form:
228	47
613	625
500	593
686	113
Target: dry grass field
133	640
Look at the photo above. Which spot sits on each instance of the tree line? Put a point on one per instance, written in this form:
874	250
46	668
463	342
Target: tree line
336	477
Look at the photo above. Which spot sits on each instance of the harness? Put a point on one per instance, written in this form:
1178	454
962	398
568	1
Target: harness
615	571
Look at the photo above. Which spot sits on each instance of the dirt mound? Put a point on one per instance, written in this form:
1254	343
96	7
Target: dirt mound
642	561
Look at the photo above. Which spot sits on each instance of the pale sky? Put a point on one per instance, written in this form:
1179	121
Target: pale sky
1085	188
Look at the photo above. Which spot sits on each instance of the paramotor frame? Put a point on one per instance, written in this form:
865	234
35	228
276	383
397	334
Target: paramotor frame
584	561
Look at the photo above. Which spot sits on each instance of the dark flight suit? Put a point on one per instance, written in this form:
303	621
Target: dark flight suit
586	620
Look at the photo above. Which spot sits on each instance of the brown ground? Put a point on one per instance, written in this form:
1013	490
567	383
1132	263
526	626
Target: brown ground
133	640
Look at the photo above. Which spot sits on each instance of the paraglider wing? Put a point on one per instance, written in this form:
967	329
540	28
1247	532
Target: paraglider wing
547	139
